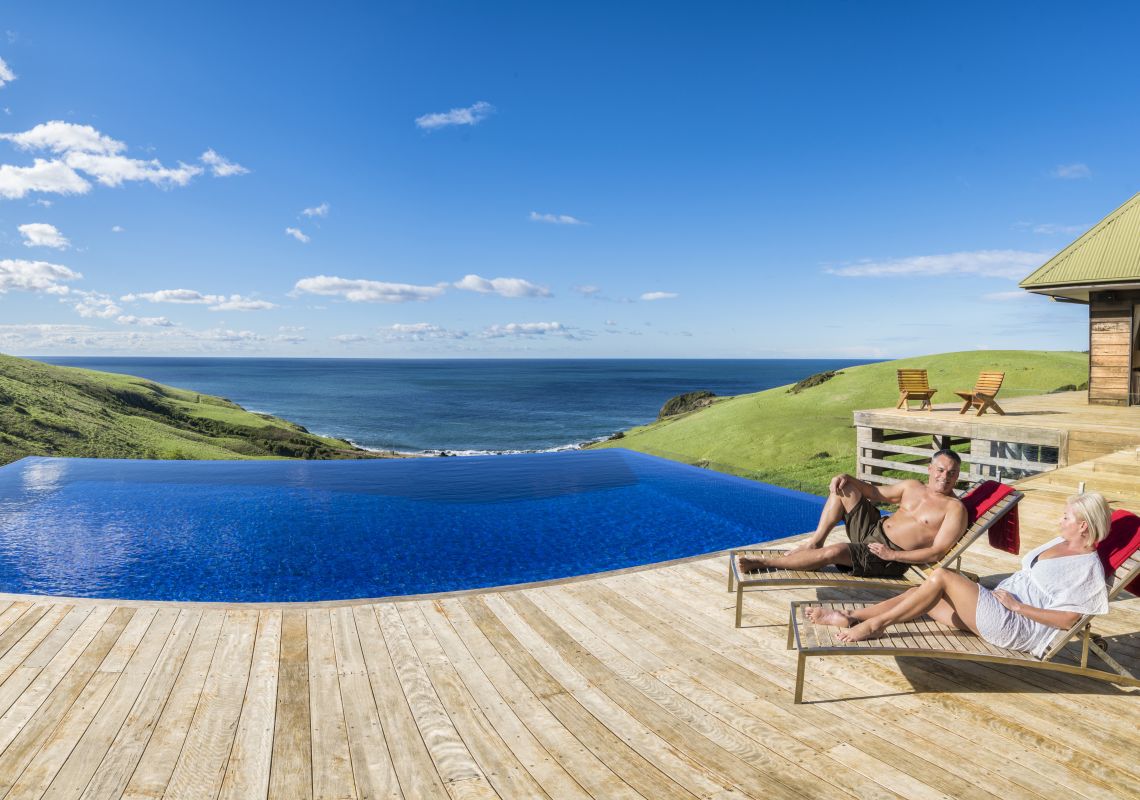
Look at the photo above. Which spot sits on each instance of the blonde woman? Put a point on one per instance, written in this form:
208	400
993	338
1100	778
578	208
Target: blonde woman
1058	583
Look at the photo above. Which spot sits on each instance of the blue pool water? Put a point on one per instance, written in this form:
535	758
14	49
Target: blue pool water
246	531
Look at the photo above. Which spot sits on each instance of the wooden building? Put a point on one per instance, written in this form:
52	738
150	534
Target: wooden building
1102	270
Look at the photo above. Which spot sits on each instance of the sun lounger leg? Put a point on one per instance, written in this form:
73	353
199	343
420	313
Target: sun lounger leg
731	569
792	628
800	665
1103	655
1085	646
739	602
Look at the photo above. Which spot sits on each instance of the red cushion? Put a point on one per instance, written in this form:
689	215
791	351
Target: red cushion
1005	534
1122	541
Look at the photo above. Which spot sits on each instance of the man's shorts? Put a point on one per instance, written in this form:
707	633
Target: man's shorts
864	526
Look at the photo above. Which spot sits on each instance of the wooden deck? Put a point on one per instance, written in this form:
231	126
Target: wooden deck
622	686
1064	421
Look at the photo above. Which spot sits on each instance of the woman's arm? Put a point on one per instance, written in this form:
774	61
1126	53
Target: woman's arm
1054	619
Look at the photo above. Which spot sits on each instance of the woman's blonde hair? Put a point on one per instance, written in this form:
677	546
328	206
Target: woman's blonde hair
1093	509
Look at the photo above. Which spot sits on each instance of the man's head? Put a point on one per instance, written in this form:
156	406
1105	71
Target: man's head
943	471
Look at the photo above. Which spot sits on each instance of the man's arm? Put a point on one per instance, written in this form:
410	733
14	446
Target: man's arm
951	530
888	493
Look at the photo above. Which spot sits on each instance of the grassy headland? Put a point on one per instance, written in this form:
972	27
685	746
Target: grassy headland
62	411
800	440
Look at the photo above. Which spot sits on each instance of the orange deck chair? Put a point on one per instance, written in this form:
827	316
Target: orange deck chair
914	386
983	394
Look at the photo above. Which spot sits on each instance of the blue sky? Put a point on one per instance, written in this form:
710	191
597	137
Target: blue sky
540	180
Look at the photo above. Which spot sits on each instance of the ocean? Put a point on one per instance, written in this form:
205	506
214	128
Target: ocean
465	407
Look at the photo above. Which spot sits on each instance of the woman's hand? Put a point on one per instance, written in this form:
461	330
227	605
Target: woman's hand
881	551
1008	600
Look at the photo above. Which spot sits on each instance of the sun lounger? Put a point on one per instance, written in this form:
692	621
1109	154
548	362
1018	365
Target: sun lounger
830	576
983	394
913	385
924	638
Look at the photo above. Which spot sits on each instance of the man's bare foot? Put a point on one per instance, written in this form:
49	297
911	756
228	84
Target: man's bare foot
753	563
862	631
828	616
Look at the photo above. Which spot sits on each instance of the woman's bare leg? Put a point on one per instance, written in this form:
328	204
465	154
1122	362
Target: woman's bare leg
845	619
958	592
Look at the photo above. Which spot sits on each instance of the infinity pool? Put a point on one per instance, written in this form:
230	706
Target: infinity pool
265	531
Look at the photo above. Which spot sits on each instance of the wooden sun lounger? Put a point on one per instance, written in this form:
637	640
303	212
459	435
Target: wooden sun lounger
830	576
925	638
913	385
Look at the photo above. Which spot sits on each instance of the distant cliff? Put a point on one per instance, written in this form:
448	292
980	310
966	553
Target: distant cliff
62	411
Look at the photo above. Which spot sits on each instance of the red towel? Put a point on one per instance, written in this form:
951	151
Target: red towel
1005	534
1122	540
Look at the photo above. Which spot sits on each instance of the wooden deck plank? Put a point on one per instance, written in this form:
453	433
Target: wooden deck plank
372	766
332	764
641	774
555	781
124	751
74	750
152	773
456	765
205	753
291	770
415	771
506	777
247	772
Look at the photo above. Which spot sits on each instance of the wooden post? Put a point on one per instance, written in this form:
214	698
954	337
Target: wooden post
982	447
864	439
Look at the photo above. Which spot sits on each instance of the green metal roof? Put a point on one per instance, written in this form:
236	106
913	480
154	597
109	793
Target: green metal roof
1109	254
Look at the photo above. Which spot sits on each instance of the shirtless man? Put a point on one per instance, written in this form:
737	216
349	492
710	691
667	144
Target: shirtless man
928	523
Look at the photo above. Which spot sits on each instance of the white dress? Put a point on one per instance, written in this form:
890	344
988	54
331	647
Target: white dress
1069	583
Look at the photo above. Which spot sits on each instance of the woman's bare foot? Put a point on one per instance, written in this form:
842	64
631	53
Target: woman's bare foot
862	631
753	563
829	616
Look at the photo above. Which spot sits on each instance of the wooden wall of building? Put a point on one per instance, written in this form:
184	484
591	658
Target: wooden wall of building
1112	346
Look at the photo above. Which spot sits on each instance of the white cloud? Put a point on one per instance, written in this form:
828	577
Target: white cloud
42	202
316	211
650	296
1014	264
65	137
42	176
93	305
297	234
1049	229
82	148
226	335
526	330
556	219
290	334
505	287
41	234
236	302
587	291
221	167
365	291
419	331
187	296
149	322
611	322
472	115
349	338
34	276
1015	296
114	170
117	229
6	74
1072	171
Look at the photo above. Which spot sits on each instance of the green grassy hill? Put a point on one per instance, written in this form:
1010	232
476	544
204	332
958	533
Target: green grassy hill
801	440
62	411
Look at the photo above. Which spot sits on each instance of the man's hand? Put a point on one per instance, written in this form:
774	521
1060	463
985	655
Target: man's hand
881	551
840	483
1008	600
